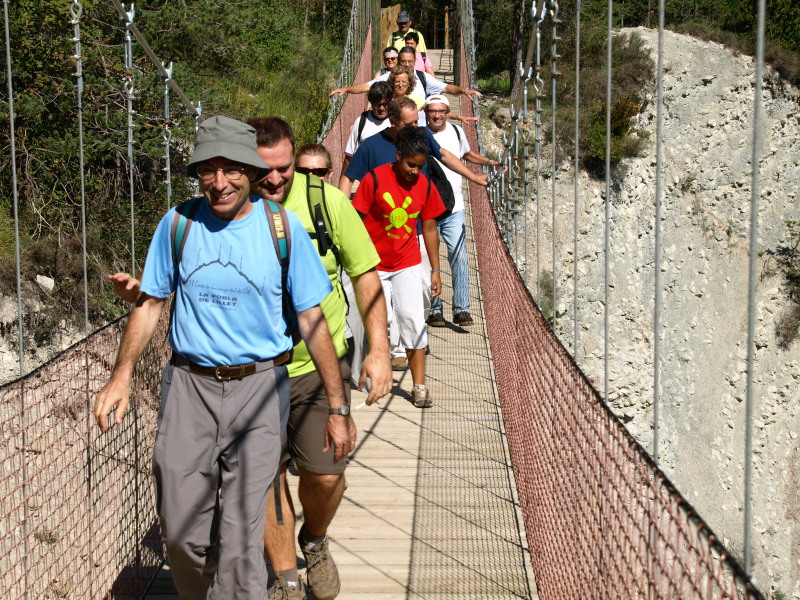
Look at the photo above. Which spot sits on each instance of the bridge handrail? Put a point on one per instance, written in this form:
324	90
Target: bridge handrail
601	518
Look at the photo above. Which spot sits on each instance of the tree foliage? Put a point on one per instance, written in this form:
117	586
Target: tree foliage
241	59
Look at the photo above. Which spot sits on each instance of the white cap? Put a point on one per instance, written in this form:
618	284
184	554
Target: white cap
437	99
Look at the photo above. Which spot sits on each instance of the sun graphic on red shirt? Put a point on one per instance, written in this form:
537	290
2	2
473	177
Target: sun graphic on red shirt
398	217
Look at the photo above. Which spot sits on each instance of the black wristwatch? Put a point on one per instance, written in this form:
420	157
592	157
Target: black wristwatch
343	410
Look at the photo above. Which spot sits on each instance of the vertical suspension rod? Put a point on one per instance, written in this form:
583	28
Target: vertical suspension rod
751	291
607	233
20	346
129	94
577	180
554	56
538	86
658	241
167	135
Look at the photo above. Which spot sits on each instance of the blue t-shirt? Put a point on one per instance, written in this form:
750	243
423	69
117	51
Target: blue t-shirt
378	150
228	299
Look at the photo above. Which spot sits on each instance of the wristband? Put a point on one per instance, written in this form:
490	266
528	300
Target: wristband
436	270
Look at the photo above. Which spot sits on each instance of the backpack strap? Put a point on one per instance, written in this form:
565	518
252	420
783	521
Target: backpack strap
423	81
282	240
458	135
374	182
181	222
320	217
362	121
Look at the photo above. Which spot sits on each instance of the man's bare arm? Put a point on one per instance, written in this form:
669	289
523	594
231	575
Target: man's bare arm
356	88
138	331
345	185
452	162
458	90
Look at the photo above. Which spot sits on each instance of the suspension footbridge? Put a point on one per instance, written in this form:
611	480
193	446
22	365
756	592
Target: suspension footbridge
520	482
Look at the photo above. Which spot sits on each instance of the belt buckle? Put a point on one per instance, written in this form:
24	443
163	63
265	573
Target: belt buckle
219	376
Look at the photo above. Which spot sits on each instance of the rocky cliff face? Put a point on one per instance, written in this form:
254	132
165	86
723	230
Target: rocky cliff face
707	149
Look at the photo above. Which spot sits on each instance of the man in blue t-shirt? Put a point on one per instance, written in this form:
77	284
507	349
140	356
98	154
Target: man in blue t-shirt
380	149
225	393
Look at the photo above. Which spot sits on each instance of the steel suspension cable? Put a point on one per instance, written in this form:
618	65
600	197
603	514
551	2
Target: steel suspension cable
658	242
554	73
167	135
526	141
751	290
129	89
20	344
14	188
577	180
607	232
76	11
538	86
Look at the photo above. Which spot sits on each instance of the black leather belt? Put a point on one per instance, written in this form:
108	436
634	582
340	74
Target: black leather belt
226	373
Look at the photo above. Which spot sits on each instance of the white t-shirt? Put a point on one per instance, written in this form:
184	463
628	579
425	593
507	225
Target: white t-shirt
371	127
433	85
449	140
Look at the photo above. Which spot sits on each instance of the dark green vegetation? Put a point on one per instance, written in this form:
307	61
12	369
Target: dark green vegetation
787	258
731	22
241	59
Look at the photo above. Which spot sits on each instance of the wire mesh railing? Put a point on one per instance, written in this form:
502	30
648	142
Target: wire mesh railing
602	519
77	511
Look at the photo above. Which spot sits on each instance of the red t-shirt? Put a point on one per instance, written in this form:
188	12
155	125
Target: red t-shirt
393	210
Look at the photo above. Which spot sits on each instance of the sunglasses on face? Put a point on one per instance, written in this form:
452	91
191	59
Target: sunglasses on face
319	172
381	104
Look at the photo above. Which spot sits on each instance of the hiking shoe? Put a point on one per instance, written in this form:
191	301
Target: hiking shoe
399	363
321	572
421	396
436	320
462	318
280	590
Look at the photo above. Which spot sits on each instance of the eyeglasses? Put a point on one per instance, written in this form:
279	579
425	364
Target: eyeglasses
389	58
319	172
231	172
437	112
381	104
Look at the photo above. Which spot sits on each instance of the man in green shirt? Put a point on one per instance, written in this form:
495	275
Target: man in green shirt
398	38
321	484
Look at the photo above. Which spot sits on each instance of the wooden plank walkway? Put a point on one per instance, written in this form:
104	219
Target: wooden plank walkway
430	510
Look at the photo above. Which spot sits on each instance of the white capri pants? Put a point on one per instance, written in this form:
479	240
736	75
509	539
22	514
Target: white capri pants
404	295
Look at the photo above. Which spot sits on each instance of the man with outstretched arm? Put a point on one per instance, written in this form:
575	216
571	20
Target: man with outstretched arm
225	397
452	229
424	83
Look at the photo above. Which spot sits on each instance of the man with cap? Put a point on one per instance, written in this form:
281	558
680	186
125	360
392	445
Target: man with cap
225	392
398	38
451	229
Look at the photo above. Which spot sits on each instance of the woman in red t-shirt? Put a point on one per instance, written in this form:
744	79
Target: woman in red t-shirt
391	199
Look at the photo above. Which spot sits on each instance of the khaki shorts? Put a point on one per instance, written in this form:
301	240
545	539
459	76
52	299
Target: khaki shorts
307	419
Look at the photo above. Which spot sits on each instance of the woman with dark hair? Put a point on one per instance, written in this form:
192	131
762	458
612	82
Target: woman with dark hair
391	199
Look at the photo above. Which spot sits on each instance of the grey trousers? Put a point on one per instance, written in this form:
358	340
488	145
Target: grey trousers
215	455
